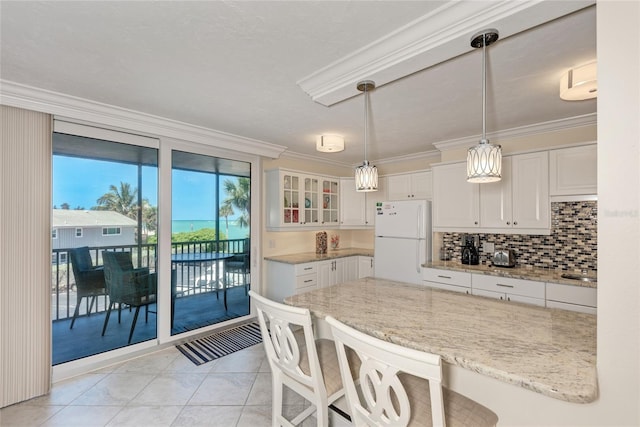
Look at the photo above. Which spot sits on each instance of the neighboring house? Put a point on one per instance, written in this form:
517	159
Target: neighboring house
74	228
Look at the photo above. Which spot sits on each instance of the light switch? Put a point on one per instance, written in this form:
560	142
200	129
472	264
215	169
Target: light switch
272	243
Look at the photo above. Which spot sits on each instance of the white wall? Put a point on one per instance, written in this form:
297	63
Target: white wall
618	28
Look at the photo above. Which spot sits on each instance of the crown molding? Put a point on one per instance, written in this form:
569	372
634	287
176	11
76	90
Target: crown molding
522	131
307	157
21	96
431	154
433	38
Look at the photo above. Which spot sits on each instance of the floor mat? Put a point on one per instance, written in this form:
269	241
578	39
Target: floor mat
220	344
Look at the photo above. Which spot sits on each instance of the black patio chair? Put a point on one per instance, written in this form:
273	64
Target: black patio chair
89	279
126	285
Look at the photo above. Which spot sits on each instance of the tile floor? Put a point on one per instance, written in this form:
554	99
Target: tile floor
162	389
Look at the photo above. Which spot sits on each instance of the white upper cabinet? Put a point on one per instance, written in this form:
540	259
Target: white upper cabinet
496	203
530	191
573	171
518	203
415	185
455	201
352	203
373	198
329	200
298	200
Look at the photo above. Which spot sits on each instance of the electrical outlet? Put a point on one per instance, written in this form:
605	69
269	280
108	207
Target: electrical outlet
272	243
488	248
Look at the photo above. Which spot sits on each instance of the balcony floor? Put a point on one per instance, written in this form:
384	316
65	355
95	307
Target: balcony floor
191	312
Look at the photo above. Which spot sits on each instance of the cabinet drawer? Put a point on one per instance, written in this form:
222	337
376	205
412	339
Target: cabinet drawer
307	268
457	278
306	281
572	294
509	297
527	288
447	287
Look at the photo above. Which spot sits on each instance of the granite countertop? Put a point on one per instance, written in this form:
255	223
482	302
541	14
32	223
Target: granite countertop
312	256
527	273
549	351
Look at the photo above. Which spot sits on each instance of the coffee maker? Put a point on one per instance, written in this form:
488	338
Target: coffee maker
470	253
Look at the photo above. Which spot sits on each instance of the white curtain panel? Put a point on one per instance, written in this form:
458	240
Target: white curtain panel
25	255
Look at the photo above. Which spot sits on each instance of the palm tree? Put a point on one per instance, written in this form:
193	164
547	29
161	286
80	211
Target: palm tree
226	210
122	200
239	196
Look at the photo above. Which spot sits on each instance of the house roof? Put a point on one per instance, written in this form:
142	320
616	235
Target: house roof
67	218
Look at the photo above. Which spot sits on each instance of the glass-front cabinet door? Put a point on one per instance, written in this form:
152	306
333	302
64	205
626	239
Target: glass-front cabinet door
330	198
311	200
291	198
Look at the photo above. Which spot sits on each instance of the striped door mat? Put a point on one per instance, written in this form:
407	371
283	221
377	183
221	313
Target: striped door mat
220	344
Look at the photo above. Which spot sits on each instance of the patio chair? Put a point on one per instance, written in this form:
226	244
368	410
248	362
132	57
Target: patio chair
238	267
89	279
126	285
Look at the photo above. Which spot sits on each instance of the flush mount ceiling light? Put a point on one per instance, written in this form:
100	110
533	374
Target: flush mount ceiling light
366	174
329	143
484	161
580	83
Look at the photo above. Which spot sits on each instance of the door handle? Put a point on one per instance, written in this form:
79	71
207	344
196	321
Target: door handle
504	286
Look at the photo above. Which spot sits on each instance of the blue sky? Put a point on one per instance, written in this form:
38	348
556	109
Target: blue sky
80	182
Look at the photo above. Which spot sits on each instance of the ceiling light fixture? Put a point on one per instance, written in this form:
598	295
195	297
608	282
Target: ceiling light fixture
580	83
366	174
484	161
329	143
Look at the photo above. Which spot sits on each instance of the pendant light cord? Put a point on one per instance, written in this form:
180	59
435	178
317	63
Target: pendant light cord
484	89
366	121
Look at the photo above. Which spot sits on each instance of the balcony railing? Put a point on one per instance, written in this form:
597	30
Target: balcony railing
190	279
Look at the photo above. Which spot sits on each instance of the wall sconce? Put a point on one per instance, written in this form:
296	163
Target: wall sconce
580	83
329	143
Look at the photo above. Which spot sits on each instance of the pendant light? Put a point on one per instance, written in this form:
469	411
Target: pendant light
366	174
484	161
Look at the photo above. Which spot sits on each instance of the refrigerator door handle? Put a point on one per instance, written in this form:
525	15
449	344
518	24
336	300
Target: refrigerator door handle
418	256
419	219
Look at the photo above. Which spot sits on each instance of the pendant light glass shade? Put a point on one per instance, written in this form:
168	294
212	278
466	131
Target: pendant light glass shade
484	161
366	174
366	177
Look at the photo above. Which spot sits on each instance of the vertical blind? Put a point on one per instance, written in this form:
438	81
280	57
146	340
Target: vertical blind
25	255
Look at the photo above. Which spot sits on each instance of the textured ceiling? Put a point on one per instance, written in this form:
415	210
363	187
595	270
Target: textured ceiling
233	67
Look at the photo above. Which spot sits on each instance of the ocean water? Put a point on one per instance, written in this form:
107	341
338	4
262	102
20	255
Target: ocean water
235	231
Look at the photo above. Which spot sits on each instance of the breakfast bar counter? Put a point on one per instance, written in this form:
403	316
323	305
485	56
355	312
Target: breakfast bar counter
548	351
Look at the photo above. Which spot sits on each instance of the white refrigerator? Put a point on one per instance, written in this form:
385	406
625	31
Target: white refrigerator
402	240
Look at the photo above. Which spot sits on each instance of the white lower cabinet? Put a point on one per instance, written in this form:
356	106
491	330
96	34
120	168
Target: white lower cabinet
552	295
336	271
284	280
365	266
448	280
505	288
574	298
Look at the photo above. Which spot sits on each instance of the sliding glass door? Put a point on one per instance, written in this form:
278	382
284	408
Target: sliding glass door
104	200
149	240
210	240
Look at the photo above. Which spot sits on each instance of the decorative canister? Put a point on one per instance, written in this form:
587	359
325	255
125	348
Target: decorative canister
321	242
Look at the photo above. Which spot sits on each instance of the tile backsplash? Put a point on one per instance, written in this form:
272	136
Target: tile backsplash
571	246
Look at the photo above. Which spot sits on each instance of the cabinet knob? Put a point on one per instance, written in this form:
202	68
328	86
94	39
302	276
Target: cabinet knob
508	223
475	222
515	222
